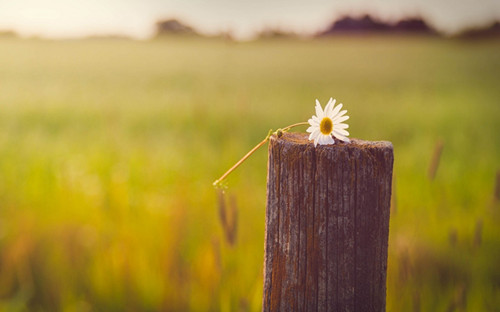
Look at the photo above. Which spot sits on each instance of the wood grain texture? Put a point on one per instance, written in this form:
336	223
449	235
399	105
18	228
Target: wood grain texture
327	225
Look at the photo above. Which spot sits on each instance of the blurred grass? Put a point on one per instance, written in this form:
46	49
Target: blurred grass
108	150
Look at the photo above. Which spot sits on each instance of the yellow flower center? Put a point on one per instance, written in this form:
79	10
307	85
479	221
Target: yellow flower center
326	125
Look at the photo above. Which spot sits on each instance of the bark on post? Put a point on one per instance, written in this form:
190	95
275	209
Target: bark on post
327	225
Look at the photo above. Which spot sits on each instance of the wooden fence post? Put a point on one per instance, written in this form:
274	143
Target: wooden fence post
327	225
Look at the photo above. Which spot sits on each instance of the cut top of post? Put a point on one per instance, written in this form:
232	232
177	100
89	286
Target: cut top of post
295	138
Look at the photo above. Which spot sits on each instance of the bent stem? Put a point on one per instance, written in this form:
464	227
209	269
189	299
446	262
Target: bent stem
294	125
278	132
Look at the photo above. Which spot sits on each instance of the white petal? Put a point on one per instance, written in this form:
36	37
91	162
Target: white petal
325	139
333	104
342	113
311	129
321	140
319	110
340	136
316	141
341	131
346	139
340	126
329	107
315	118
313	122
340	119
314	134
328	140
336	109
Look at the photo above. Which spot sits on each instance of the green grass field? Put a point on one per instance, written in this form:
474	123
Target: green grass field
108	151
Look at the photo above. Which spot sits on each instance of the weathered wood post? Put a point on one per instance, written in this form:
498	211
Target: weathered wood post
327	225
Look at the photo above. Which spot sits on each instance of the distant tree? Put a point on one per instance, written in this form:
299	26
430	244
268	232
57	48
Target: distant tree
367	24
273	33
349	24
8	34
491	31
413	25
173	27
108	37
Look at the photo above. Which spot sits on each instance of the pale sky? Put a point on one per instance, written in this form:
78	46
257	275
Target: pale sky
76	18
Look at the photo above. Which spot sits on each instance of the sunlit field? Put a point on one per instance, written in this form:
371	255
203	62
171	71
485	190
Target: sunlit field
108	151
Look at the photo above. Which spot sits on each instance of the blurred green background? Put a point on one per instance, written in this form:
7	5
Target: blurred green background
108	151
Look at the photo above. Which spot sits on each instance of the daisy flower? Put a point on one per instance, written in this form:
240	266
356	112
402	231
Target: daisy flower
328	123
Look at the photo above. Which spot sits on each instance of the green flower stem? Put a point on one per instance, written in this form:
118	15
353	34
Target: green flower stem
236	165
295	125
